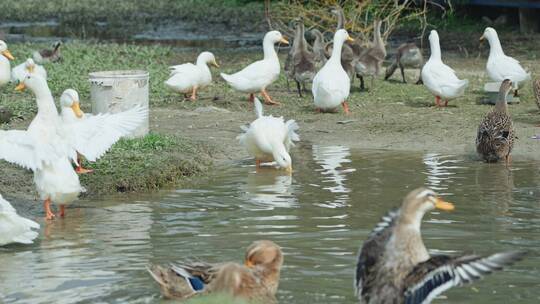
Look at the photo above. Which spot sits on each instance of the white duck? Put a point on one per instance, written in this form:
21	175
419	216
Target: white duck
260	74
5	66
92	135
188	78
270	138
44	150
331	85
499	66
29	66
13	227
440	79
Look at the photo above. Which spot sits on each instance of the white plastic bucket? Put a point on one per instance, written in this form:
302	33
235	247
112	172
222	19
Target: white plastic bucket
117	91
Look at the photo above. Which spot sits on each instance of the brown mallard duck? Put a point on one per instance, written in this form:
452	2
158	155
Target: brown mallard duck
256	280
48	55
394	266
369	63
408	55
495	137
300	64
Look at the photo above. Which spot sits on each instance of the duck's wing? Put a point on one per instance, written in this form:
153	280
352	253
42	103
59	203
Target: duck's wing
372	250
291	136
20	148
440	273
94	136
183	68
181	281
15	228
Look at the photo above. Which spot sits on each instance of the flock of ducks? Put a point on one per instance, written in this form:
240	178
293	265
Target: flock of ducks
393	264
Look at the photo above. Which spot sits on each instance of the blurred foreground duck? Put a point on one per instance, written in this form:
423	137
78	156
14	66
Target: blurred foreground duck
270	138
93	135
499	66
13	227
331	86
408	55
394	266
189	78
48	55
28	67
495	137
440	79
260	74
257	280
5	65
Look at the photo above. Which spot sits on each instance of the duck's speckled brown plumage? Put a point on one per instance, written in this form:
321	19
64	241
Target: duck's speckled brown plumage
496	135
369	62
395	267
257	280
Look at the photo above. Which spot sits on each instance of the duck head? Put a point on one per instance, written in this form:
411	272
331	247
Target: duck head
30	65
275	37
4	51
488	34
207	58
33	82
70	101
420	201
341	36
282	157
265	256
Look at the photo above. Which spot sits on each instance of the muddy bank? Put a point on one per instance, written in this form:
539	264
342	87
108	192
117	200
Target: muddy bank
194	137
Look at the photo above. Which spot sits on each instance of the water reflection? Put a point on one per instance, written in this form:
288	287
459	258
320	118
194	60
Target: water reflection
333	160
320	216
269	189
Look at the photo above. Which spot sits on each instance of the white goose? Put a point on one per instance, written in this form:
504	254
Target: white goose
13	227
29	66
499	66
331	85
440	79
5	66
44	150
188	78
260	74
270	138
93	135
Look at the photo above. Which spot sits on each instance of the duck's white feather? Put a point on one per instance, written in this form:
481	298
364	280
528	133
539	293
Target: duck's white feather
440	79
500	66
15	228
92	136
266	134
331	85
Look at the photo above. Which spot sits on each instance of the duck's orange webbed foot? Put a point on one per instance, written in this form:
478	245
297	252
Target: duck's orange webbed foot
49	215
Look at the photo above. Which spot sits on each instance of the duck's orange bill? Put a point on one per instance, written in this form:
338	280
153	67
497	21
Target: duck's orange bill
349	38
440	204
77	110
284	40
8	55
214	63
20	87
482	38
249	264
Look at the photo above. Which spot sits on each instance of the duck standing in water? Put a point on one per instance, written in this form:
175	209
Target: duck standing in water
496	134
394	265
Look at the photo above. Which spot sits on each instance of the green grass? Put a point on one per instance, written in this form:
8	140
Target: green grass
146	164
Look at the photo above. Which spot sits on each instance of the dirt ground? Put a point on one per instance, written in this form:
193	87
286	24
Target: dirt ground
392	116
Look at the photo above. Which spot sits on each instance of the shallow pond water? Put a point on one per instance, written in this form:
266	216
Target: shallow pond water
320	216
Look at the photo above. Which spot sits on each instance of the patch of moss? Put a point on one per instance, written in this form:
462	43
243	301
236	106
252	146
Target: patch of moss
146	164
